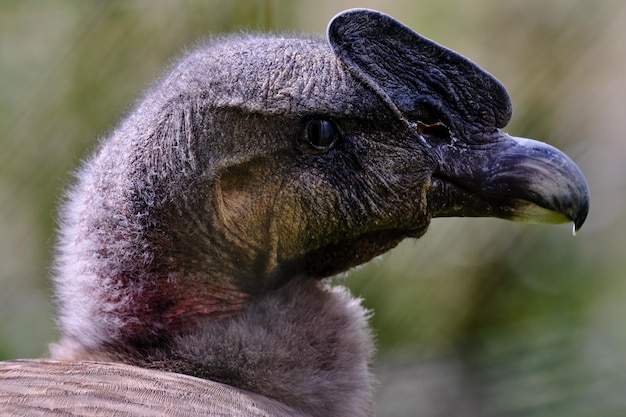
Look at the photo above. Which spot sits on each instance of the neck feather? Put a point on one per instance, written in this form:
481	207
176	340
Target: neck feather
305	344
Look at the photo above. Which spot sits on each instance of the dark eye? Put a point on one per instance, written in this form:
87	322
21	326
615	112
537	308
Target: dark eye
319	135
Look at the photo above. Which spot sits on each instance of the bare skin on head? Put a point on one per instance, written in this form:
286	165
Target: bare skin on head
197	237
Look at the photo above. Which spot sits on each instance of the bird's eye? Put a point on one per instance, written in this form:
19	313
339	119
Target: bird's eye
319	135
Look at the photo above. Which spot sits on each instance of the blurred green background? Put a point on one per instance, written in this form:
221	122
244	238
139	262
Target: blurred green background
480	317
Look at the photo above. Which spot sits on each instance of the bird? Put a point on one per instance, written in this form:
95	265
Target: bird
196	242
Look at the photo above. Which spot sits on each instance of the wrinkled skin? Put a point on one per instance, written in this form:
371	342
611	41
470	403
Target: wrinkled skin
259	165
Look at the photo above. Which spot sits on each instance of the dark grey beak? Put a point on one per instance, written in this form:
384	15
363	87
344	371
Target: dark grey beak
511	178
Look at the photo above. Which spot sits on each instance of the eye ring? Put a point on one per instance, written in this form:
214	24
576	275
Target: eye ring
319	135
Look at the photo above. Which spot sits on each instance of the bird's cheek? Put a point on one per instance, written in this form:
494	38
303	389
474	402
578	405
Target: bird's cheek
404	196
244	203
268	222
302	216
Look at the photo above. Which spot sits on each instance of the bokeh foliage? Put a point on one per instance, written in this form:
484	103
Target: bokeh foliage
515	319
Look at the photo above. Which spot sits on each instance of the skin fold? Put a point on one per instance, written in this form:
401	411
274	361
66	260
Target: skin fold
197	237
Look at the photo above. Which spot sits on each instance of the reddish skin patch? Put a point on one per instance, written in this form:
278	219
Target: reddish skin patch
164	308
202	300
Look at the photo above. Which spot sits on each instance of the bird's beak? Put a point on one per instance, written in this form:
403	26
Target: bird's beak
511	178
496	175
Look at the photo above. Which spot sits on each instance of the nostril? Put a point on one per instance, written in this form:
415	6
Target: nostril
436	130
